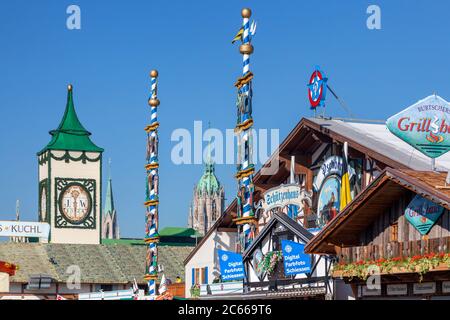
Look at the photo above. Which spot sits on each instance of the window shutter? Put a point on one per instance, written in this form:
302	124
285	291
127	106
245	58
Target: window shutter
193	276
206	275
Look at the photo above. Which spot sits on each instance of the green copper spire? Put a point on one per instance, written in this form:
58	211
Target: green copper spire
71	135
109	201
208	183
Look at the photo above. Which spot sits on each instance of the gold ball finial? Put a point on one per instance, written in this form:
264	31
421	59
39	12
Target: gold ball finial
69	87
246	13
154	73
153	102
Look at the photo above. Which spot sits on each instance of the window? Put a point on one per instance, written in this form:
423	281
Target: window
394	232
200	275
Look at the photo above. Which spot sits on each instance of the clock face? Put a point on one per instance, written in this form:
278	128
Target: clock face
43	203
75	203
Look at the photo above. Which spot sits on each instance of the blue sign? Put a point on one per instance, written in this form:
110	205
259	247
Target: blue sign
296	261
423	214
424	125
231	265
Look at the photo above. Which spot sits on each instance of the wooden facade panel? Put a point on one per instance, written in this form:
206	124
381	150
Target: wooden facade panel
445	224
376	240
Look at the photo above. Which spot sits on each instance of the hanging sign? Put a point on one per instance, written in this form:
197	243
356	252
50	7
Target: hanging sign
424	125
231	265
423	214
317	88
24	229
296	261
283	195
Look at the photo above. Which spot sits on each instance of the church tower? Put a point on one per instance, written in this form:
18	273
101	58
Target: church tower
70	175
208	200
110	225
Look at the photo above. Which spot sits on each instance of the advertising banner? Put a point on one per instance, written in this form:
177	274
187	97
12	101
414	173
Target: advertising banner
24	229
423	214
231	265
424	125
296	261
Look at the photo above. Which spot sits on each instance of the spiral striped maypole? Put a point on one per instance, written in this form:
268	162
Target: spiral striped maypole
246	219
151	194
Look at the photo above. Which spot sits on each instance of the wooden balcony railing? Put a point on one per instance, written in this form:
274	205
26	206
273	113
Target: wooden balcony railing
391	250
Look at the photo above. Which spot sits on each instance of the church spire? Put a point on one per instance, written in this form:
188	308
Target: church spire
109	201
110	226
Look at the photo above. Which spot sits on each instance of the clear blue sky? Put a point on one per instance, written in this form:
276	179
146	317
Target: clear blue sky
377	73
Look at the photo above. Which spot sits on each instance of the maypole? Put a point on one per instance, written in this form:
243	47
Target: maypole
151	196
245	220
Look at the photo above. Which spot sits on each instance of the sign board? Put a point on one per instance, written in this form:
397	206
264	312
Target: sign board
332	165
296	261
445	286
425	126
424	288
328	183
397	289
423	214
231	265
317	88
366	292
24	229
283	195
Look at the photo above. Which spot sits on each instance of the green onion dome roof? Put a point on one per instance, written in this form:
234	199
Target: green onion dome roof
70	134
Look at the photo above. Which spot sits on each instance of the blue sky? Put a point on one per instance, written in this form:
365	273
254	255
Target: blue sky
376	72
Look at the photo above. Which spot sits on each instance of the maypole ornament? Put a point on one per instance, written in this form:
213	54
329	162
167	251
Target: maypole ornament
317	88
245	215
151	194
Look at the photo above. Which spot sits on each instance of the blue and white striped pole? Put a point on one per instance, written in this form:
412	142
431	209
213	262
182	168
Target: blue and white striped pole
244	131
152	199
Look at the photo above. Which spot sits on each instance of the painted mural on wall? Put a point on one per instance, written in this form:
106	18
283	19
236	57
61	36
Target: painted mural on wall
425	125
328	200
327	184
423	214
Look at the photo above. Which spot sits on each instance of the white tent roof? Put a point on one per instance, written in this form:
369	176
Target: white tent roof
378	138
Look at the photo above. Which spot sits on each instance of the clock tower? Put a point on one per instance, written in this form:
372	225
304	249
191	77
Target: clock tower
70	173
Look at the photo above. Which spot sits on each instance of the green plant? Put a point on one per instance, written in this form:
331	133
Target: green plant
270	261
195	291
419	263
